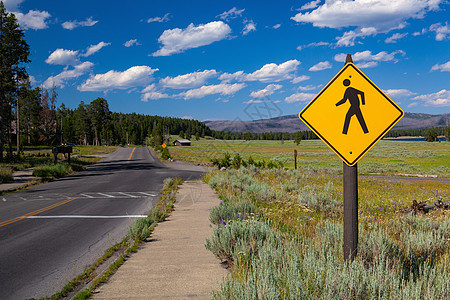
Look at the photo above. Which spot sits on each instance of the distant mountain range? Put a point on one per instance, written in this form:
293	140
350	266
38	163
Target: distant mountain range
292	123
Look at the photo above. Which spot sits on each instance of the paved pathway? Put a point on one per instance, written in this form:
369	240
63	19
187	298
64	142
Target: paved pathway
175	263
20	178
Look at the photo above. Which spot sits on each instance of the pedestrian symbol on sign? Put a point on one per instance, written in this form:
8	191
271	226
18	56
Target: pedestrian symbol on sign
351	94
353	124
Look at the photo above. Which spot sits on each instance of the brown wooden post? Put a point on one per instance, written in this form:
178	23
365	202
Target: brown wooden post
350	212
295	158
350	178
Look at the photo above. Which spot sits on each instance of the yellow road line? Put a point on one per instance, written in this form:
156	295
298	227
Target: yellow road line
33	213
131	153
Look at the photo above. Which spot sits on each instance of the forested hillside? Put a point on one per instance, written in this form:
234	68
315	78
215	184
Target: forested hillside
95	124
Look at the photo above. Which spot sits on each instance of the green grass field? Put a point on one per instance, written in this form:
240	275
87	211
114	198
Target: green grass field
386	157
42	155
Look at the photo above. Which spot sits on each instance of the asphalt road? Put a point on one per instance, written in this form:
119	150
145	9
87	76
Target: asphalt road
51	233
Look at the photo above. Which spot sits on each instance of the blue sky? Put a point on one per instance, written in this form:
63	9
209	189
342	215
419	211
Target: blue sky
234	60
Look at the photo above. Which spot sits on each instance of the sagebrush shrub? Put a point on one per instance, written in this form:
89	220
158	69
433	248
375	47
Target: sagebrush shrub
228	210
6	175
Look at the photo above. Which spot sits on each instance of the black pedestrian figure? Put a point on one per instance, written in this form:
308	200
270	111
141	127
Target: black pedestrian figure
351	94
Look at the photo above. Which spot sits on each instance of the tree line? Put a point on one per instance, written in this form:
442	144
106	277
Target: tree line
95	124
430	134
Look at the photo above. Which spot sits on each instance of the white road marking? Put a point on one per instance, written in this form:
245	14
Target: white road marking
151	195
106	195
128	195
87	196
85	217
4	200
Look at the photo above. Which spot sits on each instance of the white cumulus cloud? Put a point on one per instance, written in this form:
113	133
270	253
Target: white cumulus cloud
442	31
349	37
249	27
131	43
381	14
395	37
34	19
368	60
267	91
165	18
300	79
440	99
367	64
63	57
95	48
299	97
237	76
231	14
273	73
310	5
188	81
70	25
61	79
222	89
323	65
178	40
443	67
400	93
134	76
150	92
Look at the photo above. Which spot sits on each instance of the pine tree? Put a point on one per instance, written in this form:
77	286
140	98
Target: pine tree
298	137
30	112
14	52
100	117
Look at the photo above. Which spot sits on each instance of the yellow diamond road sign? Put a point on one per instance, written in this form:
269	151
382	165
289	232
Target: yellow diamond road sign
351	114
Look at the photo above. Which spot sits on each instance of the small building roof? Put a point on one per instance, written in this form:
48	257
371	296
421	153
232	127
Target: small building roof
183	141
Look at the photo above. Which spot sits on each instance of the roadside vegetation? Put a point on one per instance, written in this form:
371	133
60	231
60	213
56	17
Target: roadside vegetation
6	175
52	171
162	153
281	233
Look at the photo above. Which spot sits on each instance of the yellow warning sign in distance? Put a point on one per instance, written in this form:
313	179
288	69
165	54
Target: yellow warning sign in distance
351	114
